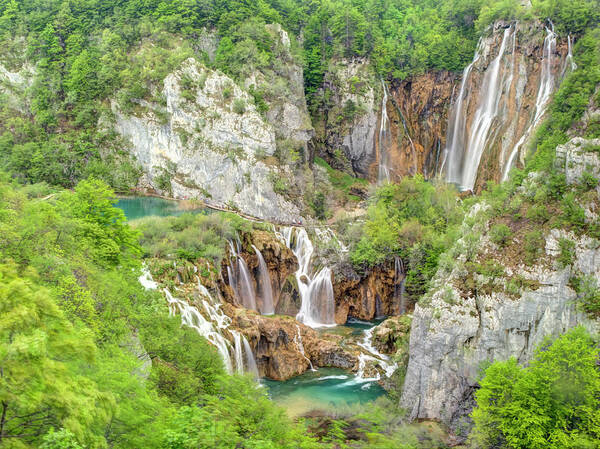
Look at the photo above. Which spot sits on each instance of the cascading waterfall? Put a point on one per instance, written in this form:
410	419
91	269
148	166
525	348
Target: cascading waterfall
399	285
316	293
545	89
265	305
250	361
456	132
373	355
383	174
300	346
491	91
191	317
240	279
210	329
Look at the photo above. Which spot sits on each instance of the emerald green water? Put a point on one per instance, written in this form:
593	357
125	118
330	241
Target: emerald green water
145	206
323	389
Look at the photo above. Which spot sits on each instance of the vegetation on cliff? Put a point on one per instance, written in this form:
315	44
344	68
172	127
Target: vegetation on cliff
552	403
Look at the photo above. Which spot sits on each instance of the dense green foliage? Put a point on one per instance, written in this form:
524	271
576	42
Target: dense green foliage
85	53
76	326
554	403
414	220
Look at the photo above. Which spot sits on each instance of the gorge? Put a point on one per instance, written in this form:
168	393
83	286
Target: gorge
337	224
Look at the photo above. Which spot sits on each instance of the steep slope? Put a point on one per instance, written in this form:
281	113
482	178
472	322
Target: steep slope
513	279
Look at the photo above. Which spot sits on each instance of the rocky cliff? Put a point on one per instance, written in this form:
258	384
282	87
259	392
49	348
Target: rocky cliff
418	112
491	302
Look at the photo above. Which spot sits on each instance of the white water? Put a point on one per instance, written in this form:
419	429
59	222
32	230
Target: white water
240	279
381	359
211	328
300	346
570	59
316	292
455	139
250	361
545	89
191	317
266	291
490	94
383	174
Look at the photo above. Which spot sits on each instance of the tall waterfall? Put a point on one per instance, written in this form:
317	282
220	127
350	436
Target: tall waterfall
240	279
490	94
316	292
211	328
545	89
383	174
265	305
455	139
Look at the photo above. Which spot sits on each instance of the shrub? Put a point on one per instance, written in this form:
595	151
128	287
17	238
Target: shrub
538	213
534	243
500	234
567	252
239	106
588	294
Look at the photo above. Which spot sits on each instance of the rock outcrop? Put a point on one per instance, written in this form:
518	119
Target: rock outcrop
207	142
468	320
418	113
347	128
579	158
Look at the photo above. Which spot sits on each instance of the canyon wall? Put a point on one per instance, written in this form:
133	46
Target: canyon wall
469	319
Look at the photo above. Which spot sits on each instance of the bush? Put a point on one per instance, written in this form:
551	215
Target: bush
567	252
239	106
500	234
534	243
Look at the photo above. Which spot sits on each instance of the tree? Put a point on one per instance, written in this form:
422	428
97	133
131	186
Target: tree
552	404
39	388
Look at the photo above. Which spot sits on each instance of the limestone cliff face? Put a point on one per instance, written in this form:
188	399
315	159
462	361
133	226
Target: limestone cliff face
438	126
365	297
503	97
347	130
418	112
467	320
200	146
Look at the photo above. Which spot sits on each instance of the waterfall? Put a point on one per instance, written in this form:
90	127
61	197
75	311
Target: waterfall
300	346
316	293
455	138
240	279
372	355
570	59
383	174
545	89
490	94
399	285
266	291
209	328
250	361
238	352
191	317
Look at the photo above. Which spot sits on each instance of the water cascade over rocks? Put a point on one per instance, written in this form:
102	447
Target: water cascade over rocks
265	303
466	156
317	307
240	279
545	89
374	356
212	328
503	96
